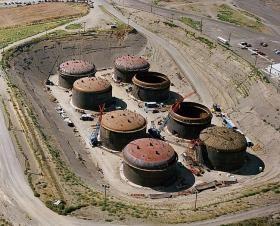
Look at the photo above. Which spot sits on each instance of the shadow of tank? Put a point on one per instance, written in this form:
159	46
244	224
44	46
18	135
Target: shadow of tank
223	148
120	127
253	165
127	66
151	86
72	70
149	162
90	92
189	119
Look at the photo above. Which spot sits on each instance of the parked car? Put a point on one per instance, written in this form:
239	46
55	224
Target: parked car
264	44
261	53
86	117
69	122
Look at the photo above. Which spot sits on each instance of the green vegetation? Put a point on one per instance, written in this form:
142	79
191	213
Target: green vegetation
4	222
155	2
74	26
13	34
206	41
192	23
239	17
170	24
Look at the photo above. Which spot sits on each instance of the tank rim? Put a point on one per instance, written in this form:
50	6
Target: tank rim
148	85
184	119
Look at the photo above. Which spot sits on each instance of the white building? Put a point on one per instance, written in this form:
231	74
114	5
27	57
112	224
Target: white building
274	70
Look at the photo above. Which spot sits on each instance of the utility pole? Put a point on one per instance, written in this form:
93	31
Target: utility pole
270	68
84	27
229	37
9	127
105	186
195	200
256	60
201	25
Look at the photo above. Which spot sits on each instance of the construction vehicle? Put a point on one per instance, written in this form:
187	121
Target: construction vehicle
156	133
94	136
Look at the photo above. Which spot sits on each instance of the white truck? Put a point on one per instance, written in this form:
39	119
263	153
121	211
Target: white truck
223	41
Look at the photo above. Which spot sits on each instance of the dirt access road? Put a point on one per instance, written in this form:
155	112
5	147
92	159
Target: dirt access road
182	63
14	185
17	201
16	195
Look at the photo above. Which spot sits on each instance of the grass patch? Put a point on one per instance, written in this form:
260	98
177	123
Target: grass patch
4	222
74	26
206	41
12	34
192	23
239	17
155	2
170	24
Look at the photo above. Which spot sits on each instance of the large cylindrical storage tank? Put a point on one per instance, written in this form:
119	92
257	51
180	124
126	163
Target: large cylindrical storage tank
224	148
149	162
72	70
90	92
127	66
118	128
189	119
151	86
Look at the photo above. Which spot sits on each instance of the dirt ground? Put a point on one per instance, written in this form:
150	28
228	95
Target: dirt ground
232	83
39	12
250	102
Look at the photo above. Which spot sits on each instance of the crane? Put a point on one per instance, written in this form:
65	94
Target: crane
156	133
94	136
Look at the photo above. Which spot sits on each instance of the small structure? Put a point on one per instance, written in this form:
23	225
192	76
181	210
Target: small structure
188	119
223	148
90	92
149	162
120	127
274	70
127	66
72	70
151	86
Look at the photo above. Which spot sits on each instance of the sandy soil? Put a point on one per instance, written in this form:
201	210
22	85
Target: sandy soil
38	12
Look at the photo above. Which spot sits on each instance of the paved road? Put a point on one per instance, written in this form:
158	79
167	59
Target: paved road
214	28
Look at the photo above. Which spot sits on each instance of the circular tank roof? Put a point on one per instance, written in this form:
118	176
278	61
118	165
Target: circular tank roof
131	63
148	153
223	139
92	84
191	112
123	121
76	67
151	80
